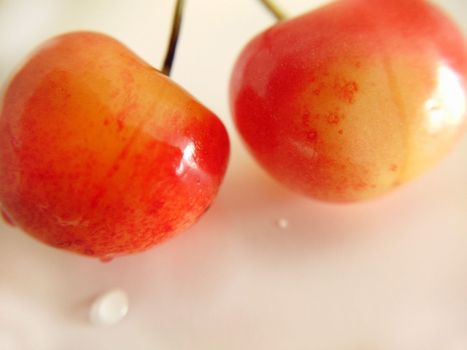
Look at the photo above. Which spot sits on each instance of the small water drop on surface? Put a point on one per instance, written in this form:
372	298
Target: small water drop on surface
109	308
282	223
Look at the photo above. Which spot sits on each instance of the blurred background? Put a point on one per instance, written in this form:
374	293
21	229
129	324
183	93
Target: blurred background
264	268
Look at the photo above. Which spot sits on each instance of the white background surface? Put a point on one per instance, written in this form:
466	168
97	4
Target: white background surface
385	275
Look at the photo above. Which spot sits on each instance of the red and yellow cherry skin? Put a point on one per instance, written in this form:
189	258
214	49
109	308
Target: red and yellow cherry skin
353	99
100	153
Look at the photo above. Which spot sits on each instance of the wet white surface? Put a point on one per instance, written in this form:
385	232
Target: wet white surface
385	275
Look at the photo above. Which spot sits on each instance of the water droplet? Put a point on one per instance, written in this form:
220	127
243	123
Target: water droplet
106	259
282	223
109	308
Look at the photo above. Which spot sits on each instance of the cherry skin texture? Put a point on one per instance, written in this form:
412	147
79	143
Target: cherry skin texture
351	100
100	153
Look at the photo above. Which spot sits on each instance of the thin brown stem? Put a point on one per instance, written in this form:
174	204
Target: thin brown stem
274	9
176	24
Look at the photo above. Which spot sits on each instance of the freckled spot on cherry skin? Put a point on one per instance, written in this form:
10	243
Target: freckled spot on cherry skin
122	115
100	193
360	186
89	251
345	90
78	242
333	118
154	208
341	131
393	167
106	121
319	89
152	145
115	167
305	118
312	136
64	244
120	124
127	77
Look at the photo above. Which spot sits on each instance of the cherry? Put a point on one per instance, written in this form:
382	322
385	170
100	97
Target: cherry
351	100
100	153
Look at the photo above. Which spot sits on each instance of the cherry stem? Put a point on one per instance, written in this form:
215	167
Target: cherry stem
176	24
274	9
